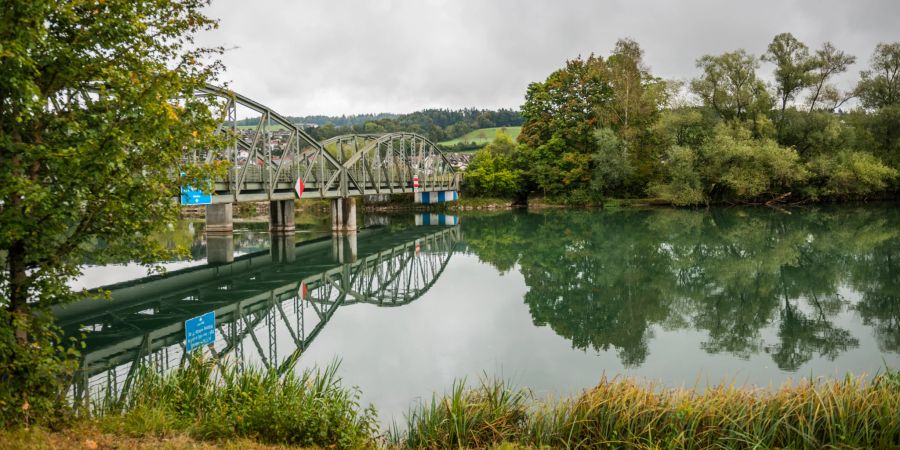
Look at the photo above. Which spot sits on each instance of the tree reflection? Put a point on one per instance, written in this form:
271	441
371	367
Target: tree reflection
878	278
605	280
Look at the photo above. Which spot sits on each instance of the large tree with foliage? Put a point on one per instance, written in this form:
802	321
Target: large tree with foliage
638	95
793	67
568	104
879	86
96	112
730	87
827	62
561	115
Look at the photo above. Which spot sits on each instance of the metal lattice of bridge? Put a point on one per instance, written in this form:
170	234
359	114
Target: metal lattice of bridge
266	162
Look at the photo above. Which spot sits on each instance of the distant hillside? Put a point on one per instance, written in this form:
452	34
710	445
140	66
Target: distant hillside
482	136
337	121
473	126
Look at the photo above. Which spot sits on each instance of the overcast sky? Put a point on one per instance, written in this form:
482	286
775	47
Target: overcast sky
343	57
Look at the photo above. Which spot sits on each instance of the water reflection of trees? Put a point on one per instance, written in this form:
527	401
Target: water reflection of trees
604	280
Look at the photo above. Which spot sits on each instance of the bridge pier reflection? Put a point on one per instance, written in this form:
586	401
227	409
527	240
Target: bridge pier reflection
219	248
344	248
282	248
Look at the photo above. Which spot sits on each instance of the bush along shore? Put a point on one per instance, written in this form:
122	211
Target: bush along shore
214	405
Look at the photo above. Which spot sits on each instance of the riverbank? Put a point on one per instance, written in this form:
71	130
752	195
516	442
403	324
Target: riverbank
202	407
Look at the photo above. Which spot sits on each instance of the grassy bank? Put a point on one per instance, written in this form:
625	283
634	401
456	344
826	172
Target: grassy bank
208	406
852	413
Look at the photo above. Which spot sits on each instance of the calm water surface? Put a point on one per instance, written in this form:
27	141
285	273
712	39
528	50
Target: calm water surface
551	300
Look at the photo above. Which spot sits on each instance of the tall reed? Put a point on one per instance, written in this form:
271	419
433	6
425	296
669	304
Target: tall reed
466	418
621	413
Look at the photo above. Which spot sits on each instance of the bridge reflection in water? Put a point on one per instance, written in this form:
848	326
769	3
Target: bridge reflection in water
269	306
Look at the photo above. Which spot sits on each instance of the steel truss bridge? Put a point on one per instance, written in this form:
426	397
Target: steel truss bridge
266	162
267	311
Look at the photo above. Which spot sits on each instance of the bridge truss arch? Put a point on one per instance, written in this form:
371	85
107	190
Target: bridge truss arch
266	161
387	163
263	165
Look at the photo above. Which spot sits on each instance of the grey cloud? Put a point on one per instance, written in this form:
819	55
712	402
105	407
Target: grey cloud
343	57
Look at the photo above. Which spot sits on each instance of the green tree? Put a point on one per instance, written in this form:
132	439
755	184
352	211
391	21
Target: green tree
611	167
687	126
792	67
97	112
815	133
637	95
828	62
491	172
879	86
730	87
568	105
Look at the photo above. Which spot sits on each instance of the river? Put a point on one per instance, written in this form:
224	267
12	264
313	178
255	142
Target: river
552	300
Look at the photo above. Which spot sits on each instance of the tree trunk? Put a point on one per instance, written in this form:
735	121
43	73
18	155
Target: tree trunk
18	290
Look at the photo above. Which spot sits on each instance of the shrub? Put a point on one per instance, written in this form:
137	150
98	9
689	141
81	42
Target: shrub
848	173
34	376
745	169
684	186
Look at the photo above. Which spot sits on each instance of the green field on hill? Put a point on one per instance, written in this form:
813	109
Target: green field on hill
483	136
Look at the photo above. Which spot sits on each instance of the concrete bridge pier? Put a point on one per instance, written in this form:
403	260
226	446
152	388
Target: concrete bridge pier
219	219
337	215
281	217
343	215
349	210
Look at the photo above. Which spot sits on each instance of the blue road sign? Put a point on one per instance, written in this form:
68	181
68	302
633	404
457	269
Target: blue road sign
200	331
193	196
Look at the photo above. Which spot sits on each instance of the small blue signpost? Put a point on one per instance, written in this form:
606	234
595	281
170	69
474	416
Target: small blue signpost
193	196
200	331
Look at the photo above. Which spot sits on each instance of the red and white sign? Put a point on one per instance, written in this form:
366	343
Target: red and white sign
299	187
304	291
415	183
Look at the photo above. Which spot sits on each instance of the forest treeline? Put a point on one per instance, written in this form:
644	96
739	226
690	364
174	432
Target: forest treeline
602	128
435	124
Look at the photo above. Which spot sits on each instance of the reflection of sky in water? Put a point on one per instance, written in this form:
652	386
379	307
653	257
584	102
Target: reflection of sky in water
249	237
477	320
473	321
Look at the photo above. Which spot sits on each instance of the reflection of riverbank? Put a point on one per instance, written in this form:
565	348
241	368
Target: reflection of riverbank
752	281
